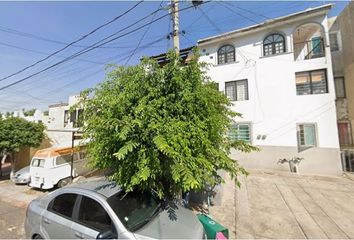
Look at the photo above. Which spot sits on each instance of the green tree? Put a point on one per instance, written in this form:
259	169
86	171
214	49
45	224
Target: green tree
161	127
17	133
9	114
28	113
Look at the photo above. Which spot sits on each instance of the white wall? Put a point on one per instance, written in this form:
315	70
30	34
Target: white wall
56	117
273	107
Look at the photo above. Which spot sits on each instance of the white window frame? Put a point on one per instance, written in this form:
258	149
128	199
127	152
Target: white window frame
300	145
235	93
249	130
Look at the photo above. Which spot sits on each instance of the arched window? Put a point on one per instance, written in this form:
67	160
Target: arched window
226	54
273	44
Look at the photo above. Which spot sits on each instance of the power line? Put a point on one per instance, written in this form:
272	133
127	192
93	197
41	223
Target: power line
70	44
142	37
42	53
89	48
94	46
237	13
37	37
124	57
249	11
210	21
75	70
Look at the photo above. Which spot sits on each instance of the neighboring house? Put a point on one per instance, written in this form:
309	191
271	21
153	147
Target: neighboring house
278	75
60	122
341	33
36	117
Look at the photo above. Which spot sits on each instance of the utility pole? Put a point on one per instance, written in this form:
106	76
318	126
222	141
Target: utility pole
175	19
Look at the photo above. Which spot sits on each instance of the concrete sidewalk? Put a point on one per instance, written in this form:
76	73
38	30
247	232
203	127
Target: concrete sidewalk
273	204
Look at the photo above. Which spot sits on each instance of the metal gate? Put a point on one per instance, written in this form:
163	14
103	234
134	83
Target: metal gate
348	160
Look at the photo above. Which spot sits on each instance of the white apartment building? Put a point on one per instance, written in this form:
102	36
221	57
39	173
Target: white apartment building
278	75
62	121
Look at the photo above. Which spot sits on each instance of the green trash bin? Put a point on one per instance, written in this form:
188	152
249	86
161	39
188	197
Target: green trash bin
211	227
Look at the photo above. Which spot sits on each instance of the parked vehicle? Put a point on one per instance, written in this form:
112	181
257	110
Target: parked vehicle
101	210
22	176
51	167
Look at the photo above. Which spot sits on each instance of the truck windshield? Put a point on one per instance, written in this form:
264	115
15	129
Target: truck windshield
134	209
36	162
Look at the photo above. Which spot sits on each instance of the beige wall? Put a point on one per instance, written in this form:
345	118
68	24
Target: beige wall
343	62
322	161
346	23
23	157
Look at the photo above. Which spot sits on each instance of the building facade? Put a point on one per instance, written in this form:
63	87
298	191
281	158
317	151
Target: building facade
342	46
60	122
278	75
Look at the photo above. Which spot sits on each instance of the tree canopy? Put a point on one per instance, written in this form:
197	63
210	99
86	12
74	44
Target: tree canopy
29	112
161	127
16	133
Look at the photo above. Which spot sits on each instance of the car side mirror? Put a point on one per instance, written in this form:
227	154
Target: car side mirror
108	234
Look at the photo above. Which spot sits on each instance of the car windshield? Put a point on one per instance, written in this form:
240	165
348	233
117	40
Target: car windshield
38	162
134	209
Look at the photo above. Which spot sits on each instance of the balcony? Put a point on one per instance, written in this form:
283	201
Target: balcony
309	42
309	49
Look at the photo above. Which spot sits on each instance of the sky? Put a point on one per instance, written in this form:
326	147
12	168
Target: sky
30	31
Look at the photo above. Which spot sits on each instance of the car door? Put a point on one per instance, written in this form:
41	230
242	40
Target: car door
57	219
91	219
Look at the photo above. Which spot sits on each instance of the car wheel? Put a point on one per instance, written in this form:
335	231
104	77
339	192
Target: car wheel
37	236
64	182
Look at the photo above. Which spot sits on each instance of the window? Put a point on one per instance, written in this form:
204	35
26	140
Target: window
317	46
63	204
240	131
62	159
79	121
339	86
226	54
333	41
237	90
273	44
312	82
38	162
133	208
307	135
66	117
93	215
344	133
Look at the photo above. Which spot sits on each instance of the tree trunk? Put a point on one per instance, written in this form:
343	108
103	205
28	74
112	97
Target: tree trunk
4	156
13	162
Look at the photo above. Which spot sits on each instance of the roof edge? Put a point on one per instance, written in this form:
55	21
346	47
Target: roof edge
325	7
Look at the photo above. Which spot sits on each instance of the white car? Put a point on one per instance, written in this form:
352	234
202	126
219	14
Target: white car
22	176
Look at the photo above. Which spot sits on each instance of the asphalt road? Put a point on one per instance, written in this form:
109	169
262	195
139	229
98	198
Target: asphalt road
11	221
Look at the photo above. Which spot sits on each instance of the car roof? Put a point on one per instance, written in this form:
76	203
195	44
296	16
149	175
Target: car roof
101	185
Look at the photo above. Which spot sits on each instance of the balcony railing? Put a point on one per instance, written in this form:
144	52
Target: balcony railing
313	48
